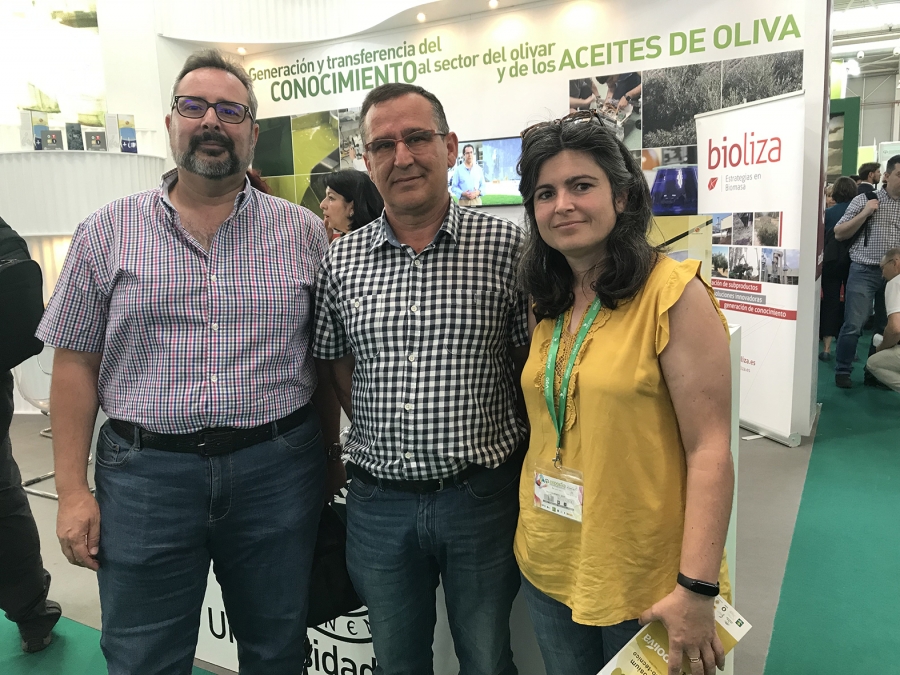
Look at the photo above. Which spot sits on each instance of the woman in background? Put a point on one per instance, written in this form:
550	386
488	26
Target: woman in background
628	391
835	266
351	201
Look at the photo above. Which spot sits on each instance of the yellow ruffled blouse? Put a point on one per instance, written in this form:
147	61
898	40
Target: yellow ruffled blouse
622	434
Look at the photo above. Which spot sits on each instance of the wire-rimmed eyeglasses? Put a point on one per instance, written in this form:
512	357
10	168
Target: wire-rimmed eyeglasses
193	107
415	142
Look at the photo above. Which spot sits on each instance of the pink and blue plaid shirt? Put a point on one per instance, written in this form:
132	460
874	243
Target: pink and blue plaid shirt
192	339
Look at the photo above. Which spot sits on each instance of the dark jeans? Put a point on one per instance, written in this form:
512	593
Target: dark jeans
865	285
400	544
570	648
165	515
23	580
831	314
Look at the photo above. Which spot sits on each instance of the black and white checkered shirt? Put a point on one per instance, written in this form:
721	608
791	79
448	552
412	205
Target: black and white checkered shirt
433	388
883	232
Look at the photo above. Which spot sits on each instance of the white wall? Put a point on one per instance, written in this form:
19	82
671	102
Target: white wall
877	94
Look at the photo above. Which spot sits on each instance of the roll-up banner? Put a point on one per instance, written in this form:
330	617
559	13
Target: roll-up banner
750	159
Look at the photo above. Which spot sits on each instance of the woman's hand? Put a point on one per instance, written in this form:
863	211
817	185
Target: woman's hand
690	622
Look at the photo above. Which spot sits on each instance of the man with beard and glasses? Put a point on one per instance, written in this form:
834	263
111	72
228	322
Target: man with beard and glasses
184	312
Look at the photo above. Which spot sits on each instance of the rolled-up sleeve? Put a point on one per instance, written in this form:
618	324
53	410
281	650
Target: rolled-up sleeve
77	313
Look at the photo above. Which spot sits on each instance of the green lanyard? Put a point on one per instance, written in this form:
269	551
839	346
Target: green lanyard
558	414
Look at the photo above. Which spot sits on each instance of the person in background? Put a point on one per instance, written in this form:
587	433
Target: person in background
869	177
871	226
467	183
829	199
185	311
835	267
884	364
351	201
426	330
24	582
628	391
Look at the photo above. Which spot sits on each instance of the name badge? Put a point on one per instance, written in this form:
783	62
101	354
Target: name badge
559	491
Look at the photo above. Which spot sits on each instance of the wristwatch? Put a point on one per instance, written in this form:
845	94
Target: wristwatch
697	586
334	452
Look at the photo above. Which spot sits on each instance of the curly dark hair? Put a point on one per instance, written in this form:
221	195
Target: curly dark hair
544	273
356	186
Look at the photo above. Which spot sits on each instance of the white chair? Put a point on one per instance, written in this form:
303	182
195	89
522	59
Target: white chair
33	382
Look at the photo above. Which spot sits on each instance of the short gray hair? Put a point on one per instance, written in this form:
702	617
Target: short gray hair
213	58
890	254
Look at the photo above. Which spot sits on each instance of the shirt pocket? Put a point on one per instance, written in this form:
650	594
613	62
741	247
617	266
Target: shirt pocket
477	321
364	319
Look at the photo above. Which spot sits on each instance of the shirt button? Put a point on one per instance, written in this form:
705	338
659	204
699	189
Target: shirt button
408	455
356	304
213	277
411	357
408	406
214	326
414	309
417	263
214	378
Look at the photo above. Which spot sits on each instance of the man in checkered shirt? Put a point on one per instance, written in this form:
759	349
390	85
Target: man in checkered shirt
421	317
875	223
185	312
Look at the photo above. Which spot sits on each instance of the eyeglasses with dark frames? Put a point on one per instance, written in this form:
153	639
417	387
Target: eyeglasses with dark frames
194	108
415	142
571	118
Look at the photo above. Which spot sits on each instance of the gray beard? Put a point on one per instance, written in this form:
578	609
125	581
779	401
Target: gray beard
215	168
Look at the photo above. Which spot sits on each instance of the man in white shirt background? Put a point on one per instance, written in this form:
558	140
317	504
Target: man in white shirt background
468	179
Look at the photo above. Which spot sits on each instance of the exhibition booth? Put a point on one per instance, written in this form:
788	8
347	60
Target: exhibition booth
726	110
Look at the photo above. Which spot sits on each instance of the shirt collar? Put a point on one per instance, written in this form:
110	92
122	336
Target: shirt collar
169	178
384	234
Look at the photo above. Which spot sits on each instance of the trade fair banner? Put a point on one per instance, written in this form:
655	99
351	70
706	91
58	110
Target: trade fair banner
749	161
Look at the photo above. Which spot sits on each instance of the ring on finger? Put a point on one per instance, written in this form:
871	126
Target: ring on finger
694	659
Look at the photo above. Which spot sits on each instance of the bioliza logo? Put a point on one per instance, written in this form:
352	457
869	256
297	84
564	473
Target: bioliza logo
712	183
751	151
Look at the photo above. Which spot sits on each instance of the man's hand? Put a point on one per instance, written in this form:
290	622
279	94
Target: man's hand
690	622
78	528
335	478
871	206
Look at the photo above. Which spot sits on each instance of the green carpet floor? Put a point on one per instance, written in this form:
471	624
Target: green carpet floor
75	650
838	609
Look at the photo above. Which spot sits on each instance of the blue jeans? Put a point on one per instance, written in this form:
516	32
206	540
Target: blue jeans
400	544
165	515
863	285
570	648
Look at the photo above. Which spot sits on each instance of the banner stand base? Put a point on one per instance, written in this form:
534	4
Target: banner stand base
792	441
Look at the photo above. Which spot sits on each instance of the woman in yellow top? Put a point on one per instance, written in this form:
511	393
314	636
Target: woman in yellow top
627	486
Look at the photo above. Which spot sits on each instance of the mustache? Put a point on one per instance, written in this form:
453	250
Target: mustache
211	137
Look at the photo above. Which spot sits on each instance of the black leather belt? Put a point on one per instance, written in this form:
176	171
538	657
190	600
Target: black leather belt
417	486
214	441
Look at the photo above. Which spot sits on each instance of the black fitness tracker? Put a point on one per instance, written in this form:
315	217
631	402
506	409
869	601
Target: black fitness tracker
697	586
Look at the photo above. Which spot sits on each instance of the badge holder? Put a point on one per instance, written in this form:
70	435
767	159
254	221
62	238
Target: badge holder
559	489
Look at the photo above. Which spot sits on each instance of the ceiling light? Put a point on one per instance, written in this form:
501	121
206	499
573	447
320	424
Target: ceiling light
860	55
493	4
420	17
241	51
852	66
